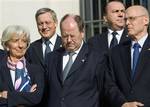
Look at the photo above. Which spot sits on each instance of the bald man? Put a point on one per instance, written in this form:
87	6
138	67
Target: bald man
128	79
81	85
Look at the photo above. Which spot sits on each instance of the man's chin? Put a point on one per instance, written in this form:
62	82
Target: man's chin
70	49
46	36
130	32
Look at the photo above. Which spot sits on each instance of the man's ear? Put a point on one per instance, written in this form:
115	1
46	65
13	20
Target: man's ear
56	24
105	18
146	20
82	34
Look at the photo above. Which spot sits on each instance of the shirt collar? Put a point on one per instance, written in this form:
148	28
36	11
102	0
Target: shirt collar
141	41
118	31
77	51
52	39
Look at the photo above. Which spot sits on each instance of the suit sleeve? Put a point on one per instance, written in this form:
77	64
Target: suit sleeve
3	101
28	98
112	91
27	55
100	69
91	42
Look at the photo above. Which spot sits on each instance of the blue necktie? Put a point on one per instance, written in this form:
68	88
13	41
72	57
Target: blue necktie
114	40
136	53
48	49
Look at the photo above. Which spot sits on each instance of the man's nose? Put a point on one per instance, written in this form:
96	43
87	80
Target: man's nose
121	13
69	38
20	43
44	25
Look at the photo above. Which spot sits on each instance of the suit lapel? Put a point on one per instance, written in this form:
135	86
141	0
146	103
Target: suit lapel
124	36
105	39
126	58
38	50
30	71
7	74
81	58
58	65
144	56
58	43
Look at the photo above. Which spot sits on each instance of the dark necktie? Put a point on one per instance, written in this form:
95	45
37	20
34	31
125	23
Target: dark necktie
68	65
114	40
136	53
48	49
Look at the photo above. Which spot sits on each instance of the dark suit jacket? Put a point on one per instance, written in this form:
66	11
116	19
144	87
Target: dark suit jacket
35	52
119	84
14	97
82	85
35	56
100	42
2	54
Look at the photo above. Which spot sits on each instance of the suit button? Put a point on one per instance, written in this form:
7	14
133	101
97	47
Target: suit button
63	99
131	91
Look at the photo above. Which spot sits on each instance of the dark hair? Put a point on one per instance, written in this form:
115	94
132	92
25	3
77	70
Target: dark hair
44	10
77	19
105	7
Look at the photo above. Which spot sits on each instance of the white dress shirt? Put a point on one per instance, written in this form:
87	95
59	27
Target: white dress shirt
141	43
66	56
52	43
110	36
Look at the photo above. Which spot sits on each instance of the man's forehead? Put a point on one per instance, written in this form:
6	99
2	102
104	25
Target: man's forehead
115	5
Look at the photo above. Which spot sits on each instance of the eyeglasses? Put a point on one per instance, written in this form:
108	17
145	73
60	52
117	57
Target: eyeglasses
132	18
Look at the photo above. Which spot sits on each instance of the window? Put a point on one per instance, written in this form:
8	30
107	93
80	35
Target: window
92	13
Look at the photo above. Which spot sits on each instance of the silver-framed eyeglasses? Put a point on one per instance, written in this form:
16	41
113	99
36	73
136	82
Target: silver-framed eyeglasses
132	18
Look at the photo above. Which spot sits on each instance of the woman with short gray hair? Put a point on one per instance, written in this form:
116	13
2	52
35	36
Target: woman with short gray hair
21	83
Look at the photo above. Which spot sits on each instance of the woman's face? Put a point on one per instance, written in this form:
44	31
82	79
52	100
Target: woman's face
17	46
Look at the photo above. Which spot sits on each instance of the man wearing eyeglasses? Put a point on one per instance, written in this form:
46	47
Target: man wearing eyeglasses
128	79
46	20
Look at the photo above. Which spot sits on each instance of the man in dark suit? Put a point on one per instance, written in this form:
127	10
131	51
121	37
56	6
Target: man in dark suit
114	18
36	54
74	71
127	81
46	23
114	14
